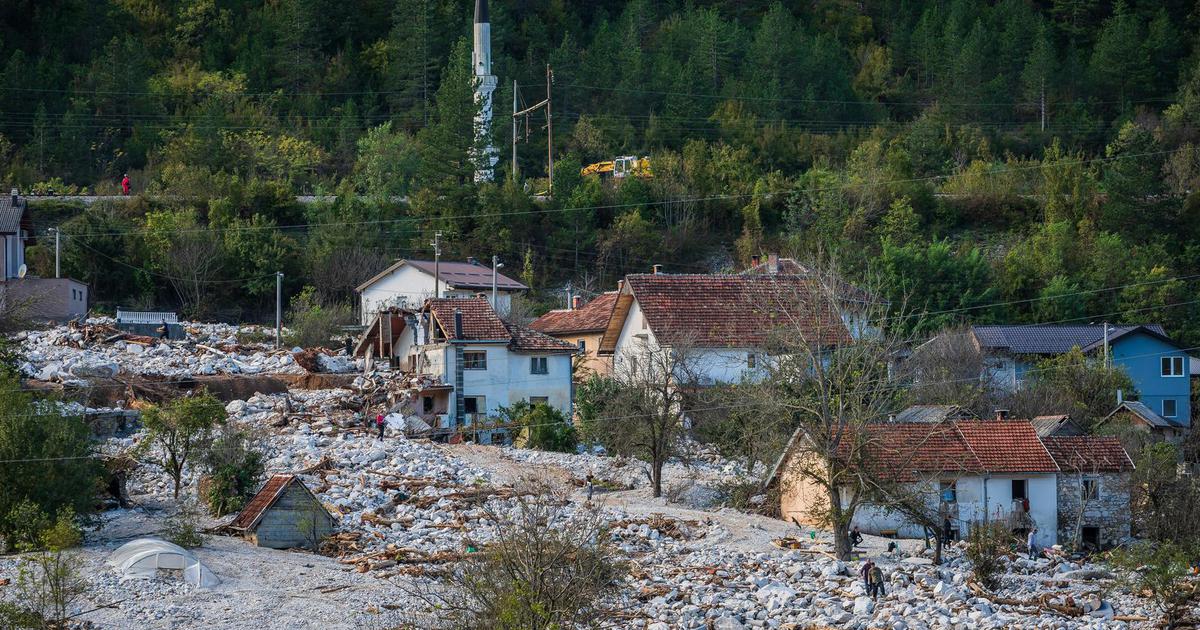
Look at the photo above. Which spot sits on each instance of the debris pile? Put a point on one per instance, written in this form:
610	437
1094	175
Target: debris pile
96	349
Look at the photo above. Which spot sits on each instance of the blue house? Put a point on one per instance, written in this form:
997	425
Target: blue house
1158	367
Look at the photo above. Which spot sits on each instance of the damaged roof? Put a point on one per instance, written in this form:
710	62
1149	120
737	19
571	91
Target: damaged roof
589	318
271	491
1145	414
480	323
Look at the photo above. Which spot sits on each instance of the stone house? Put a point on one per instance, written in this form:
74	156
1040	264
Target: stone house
284	514
1093	489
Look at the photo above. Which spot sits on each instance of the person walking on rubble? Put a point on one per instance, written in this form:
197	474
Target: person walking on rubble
865	573
856	537
1033	550
875	585
589	484
164	332
380	424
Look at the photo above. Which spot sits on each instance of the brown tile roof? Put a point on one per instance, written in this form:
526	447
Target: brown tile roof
902	451
1088	453
479	321
528	340
591	317
1006	446
733	310
266	497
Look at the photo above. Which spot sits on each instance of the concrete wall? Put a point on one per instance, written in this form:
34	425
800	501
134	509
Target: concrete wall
1108	511
58	299
294	521
588	363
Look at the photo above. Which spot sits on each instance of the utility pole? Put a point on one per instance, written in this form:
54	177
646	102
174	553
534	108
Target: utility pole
1105	344
57	273
278	309
496	264
549	129
513	172
549	133
437	262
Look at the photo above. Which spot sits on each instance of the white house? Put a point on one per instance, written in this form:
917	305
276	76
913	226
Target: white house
480	362
968	472
40	298
406	284
724	321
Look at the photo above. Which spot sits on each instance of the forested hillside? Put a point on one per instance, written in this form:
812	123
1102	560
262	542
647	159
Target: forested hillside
1000	161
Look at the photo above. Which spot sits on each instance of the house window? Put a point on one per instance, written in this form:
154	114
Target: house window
1018	489
473	404
582	345
1090	490
427	404
539	400
751	361
537	365
1172	366
1169	410
475	360
949	491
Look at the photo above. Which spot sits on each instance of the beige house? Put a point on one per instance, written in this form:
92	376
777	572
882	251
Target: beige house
582	326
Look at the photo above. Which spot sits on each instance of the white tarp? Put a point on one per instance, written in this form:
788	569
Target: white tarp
142	559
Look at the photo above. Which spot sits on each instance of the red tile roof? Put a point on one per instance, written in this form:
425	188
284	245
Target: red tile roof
1004	446
734	310
1088	453
902	451
266	497
479	321
591	317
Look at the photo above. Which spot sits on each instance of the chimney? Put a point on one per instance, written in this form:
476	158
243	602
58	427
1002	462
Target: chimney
657	269
457	324
620	284
772	263
471	261
577	302
755	260
14	197
1002	414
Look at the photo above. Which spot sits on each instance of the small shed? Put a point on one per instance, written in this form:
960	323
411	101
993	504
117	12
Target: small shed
284	514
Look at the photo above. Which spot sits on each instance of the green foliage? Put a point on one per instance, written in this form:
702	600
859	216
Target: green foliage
56	473
987	544
234	466
178	431
183	527
50	580
314	323
545	428
936	279
1162	569
1084	383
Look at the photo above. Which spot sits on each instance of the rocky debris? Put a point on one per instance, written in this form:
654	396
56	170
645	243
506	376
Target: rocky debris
96	349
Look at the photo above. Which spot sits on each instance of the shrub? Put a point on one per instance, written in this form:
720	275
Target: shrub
183	528
986	545
179	430
1163	570
234	467
316	323
50	581
545	428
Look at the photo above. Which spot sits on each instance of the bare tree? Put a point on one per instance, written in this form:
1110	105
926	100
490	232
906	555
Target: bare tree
833	370
644	411
190	263
547	567
948	370
338	272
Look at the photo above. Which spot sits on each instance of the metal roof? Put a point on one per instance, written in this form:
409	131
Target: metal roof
10	215
1148	415
459	275
1056	339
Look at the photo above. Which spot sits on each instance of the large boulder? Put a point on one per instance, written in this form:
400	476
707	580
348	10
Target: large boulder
95	369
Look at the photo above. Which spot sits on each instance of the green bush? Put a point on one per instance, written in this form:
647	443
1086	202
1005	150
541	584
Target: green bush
183	528
1162	569
545	428
314	323
234	467
986	545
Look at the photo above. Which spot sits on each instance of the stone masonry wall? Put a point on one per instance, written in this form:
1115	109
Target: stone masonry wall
1109	512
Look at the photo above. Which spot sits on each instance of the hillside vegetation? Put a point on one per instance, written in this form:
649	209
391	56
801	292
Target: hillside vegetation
995	161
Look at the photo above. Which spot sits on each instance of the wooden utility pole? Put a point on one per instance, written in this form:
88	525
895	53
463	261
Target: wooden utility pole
513	171
549	129
437	264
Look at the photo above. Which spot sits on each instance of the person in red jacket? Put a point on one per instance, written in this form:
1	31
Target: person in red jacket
125	184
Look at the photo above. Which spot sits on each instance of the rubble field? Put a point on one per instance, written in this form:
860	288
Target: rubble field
406	508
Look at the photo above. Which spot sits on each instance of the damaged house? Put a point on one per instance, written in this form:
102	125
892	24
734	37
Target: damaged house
406	284
474	361
970	472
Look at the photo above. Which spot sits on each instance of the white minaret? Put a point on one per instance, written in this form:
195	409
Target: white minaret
485	84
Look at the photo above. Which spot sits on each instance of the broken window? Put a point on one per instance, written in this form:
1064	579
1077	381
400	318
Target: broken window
1018	489
473	404
427	404
582	345
949	491
475	360
1090	537
1091	489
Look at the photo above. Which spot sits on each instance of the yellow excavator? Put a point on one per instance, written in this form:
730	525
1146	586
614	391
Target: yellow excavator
623	166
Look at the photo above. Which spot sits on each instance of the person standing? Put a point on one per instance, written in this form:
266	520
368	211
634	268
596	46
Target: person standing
379	424
164	331
875	588
590	485
1033	554
856	537
125	184
865	573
